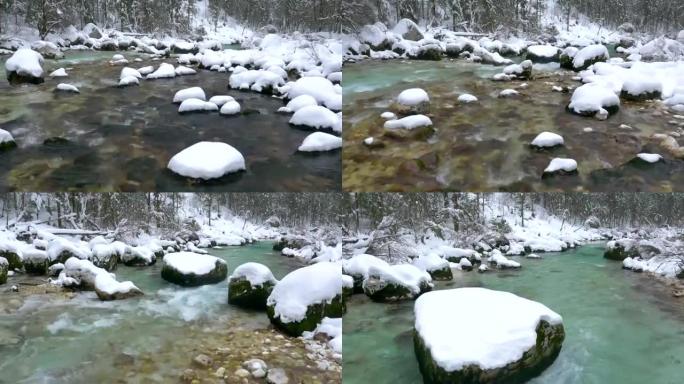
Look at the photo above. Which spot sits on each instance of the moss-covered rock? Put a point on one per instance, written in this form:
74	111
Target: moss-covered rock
36	265
16	78
4	267
121	295
427	52
314	314
13	259
442	274
381	290
216	275
531	364
621	249
107	262
643	96
243	294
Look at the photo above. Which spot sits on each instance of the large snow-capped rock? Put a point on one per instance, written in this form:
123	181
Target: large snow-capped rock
639	88
514	340
321	89
189	93
25	66
408	30
36	261
358	266
413	101
193	269
317	117
396	282
164	71
301	300
250	285
59	250
85	275
375	36
497	259
560	166
207	160
621	249
140	256
589	56
547	140
543	53
320	142
593	99
437	267
192	105
47	49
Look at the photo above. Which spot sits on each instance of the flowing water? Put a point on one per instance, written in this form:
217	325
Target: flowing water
52	338
484	146
620	328
121	139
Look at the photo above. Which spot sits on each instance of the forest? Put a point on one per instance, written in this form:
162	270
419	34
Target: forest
420	211
164	211
654	16
177	16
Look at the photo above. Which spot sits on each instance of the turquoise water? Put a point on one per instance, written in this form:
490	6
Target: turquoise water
617	329
150	339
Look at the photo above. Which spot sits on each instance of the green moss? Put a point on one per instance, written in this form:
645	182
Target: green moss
642	97
243	294
36	267
533	362
442	274
383	291
619	253
3	273
107	263
217	275
7	145
14	260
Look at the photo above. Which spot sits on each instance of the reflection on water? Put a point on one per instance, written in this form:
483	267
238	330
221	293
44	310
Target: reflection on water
483	146
617	331
120	139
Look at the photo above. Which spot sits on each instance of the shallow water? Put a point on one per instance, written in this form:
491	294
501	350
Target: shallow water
121	139
151	339
617	330
484	146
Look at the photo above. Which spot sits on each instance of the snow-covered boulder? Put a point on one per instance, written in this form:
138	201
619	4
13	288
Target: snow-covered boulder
4	268
408	30
639	88
59	250
301	300
321	89
412	101
467	98
396	282
358	266
207	160
621	249
230	108
6	140
320	142
522	70
47	49
316	117
196	105
589	56
560	166
437	267
298	103
220	100
85	275
36	261
164	71
507	93
542	53
261	81
25	66
547	140
567	56
520	338
189	93
426	50
61	72
375	36
250	285
180	47
107	255
68	88
192	269
140	256
128	80
497	259
593	99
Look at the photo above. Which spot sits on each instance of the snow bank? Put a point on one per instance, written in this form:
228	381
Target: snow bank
320	142
207	160
443	318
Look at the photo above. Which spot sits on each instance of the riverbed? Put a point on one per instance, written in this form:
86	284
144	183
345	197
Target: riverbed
120	139
76	338
620	328
484	146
